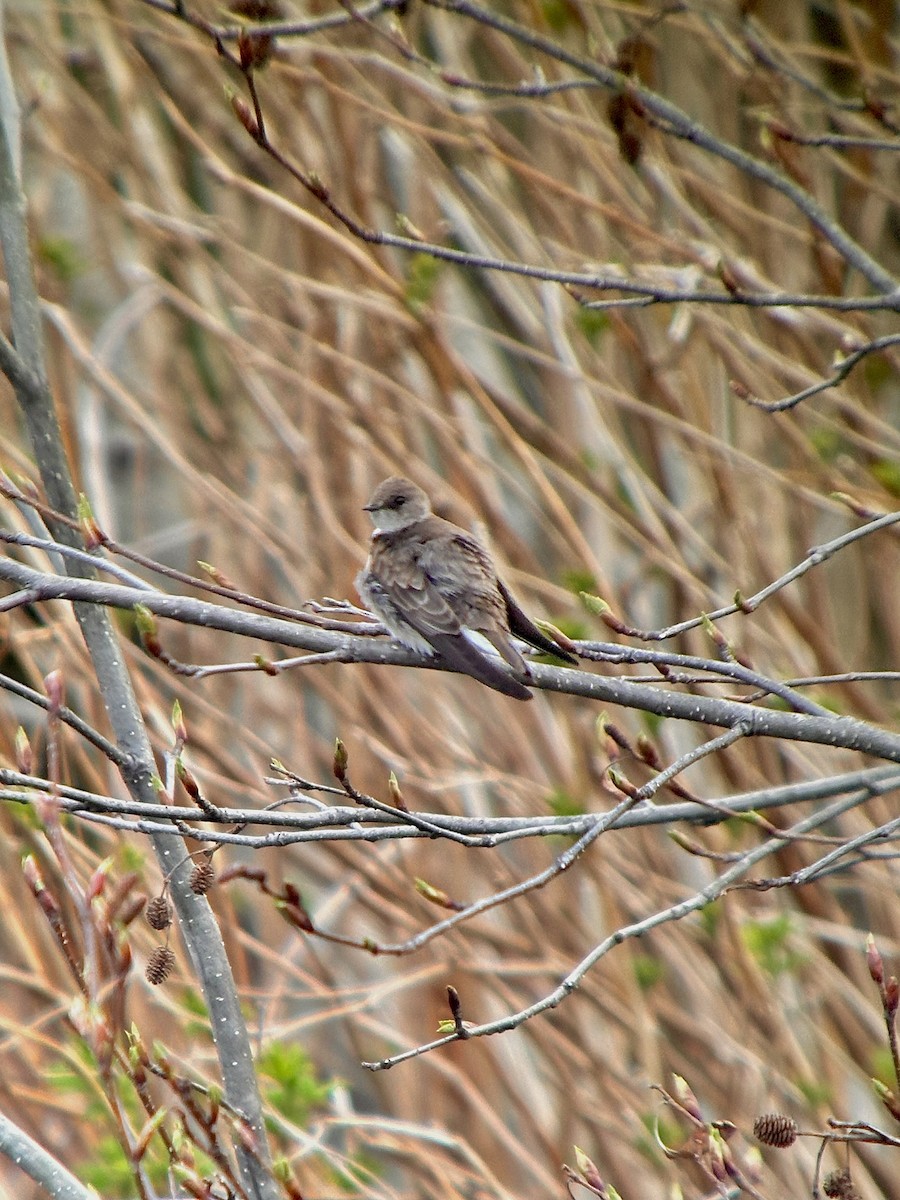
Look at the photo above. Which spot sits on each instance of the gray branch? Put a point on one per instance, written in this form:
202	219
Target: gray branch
24	363
361	823
846	732
40	1166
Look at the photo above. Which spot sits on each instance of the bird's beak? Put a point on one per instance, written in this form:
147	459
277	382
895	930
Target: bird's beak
370	507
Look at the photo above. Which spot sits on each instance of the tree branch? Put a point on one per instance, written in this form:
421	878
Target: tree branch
200	930
822	730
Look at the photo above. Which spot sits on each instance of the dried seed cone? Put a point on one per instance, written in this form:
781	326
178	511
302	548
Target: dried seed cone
159	965
775	1129
839	1185
202	878
159	913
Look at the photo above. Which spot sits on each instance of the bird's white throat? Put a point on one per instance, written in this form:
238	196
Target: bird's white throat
390	520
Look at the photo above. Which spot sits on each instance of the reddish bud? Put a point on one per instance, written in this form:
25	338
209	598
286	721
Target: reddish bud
340	761
396	795
647	751
874	961
780	130
91	532
728	277
188	782
97	883
53	685
588	1172
876	107
891	996
254	49
178	726
290	905
685	1096
244	114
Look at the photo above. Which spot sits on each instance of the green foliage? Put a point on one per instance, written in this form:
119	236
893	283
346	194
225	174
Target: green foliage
592	322
290	1083
559	14
887	472
878	371
131	857
572	628
421	280
25	817
828	443
652	722
710	915
660	1128
881	1066
579	580
648	970
72	1076
816	1092
63	257
105	1166
366	1171
197	344
193	1006
108	1170
562	804
736	827
768	942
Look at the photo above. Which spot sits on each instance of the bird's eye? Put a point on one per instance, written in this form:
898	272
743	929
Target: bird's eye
399	501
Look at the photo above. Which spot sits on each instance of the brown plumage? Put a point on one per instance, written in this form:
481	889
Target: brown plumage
433	585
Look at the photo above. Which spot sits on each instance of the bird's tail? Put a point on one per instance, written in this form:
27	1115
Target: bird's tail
459	653
523	627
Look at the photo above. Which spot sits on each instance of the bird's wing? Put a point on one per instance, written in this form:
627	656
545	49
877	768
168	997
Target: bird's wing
440	587
464	571
461	569
405	583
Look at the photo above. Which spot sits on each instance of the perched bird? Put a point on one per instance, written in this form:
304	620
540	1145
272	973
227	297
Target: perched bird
434	586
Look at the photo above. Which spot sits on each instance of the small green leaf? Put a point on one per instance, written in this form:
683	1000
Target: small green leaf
579	579
769	943
562	804
63	257
887	472
421	279
648	970
827	443
592	322
291	1083
595	605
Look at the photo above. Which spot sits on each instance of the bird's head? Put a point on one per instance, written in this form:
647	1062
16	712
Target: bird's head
397	503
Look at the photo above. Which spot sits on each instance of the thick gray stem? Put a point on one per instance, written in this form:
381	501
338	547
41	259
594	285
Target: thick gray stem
198	926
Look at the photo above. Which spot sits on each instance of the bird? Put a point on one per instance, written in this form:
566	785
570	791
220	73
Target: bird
434	586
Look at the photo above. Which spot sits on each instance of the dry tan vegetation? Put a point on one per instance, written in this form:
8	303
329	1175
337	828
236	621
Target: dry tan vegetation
235	372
